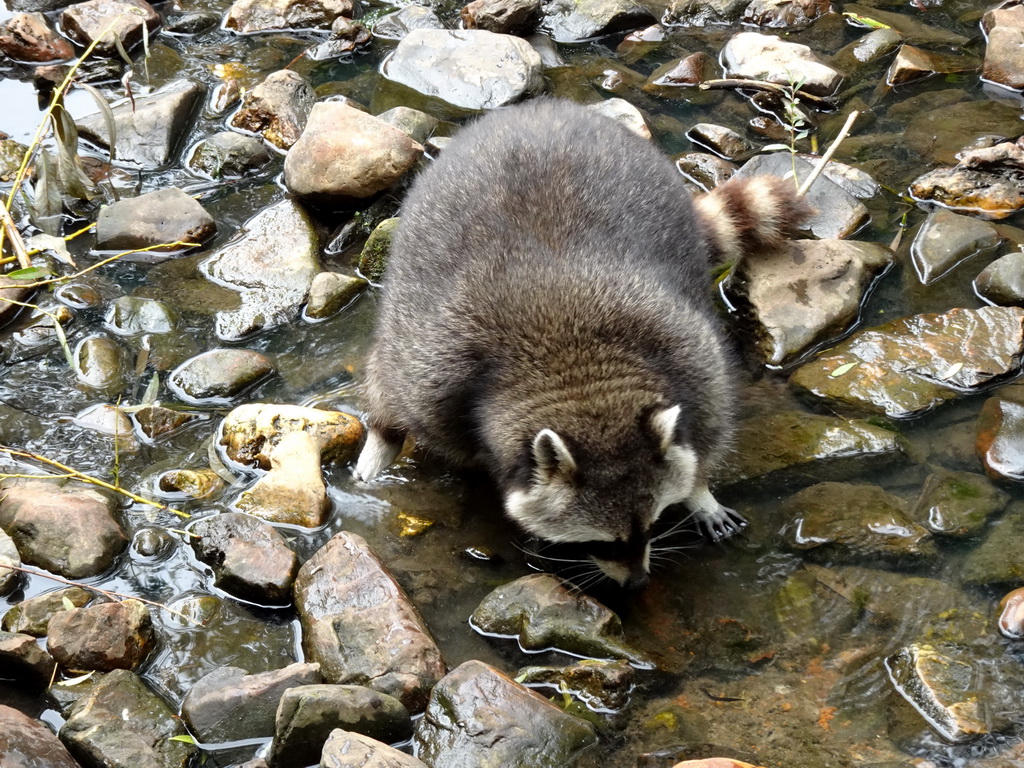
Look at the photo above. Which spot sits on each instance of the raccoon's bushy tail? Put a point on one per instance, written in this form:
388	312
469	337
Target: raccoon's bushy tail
745	215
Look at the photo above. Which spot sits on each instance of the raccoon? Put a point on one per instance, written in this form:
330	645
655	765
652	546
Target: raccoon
547	314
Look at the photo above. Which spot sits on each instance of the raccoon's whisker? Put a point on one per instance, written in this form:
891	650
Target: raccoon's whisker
674	529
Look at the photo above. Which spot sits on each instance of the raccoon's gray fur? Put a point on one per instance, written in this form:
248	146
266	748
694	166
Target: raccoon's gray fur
547	312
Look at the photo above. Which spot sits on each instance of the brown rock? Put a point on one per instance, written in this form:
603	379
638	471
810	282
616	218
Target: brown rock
24	661
128	20
1004	55
1000	441
104	637
511	17
915	63
27	743
248	16
15	291
27	37
277	108
1011	614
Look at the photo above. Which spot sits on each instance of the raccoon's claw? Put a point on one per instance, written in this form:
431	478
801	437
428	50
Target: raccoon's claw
722	523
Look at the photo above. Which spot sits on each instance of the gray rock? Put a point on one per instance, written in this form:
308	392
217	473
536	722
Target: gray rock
373	259
308	714
250	559
31	616
624	113
945	239
417	125
542	612
958	504
470	69
69	530
149	129
359	625
864	51
248	16
12	289
765	57
705	170
230	704
805	292
353	750
27	743
571	21
293	492
219	375
854	522
277	109
700	13
105	636
509	17
839	214
271	261
1002	281
998	560
941	133
109	420
330	292
132	316
395	26
346	155
252	432
346	36
191	23
28	37
986	183
913	364
122	723
163	217
99	364
913	63
9	559
1004	57
479	718
720	140
785	14
23	661
228	155
603	686
105	20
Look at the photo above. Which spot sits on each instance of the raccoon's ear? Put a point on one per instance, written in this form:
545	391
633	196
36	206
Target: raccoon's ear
551	456
663	424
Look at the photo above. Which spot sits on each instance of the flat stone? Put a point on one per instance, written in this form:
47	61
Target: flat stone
913	364
345	154
67	530
941	133
913	63
805	292
680	77
228	155
105	20
416	124
150	128
250	433
479	718
32	616
705	170
133	316
471	69
230	704
945	239
993	193
104	636
1004	56
167	217
999	559
23	661
571	21
99	363
723	141
154	421
27	743
755	56
358	624
958	504
9	559
866	50
1002	281
248	16
345	749
28	37
219	375
277	109
330	292
913	31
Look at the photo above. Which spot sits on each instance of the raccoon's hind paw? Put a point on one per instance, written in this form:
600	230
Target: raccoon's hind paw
379	451
721	524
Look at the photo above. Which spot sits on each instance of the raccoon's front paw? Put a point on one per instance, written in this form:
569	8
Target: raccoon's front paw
377	454
721	523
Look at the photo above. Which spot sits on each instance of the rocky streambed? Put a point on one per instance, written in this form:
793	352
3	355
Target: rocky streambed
249	604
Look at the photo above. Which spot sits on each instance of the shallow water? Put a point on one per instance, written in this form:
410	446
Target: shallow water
743	661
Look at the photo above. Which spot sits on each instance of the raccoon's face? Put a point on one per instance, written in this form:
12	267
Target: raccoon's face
604	502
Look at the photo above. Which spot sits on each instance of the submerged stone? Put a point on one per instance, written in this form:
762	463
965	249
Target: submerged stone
785	14
945	239
132	316
999	559
395	26
228	155
913	31
866	50
958	504
219	375
99	364
913	364
1002	281
603	686
941	133
913	63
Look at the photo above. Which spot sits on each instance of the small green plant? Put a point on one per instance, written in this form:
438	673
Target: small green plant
794	121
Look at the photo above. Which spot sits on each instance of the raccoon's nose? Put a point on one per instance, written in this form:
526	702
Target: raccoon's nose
637	580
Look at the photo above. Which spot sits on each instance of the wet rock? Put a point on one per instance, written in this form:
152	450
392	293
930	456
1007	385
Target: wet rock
346	36
228	155
805	292
940	133
938	683
1000	442
543	613
308	714
625	114
248	16
866	50
839	213
1011	615
22	660
166	217
510	17
998	560
360	626
985	183
714	762
783	447
14	290
913	63
785	14
479	718
1004	58
346	155
111	421
151	543
132	316
765	57
27	743
277	109
471	69
417	125
121	722
603	686
191	483
913	31
67	530
271	262
1002	281
913	364
9	559
330	292
193	23
28	37
225	95
11	155
638	44
958	503
569	21
150	128
723	141
250	559
230	704
219	375
31	616
105	20
154	421
373	259
854	522
251	432
293	491
679	77
945	239
105	636
395	26
700	13
353	750
705	170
